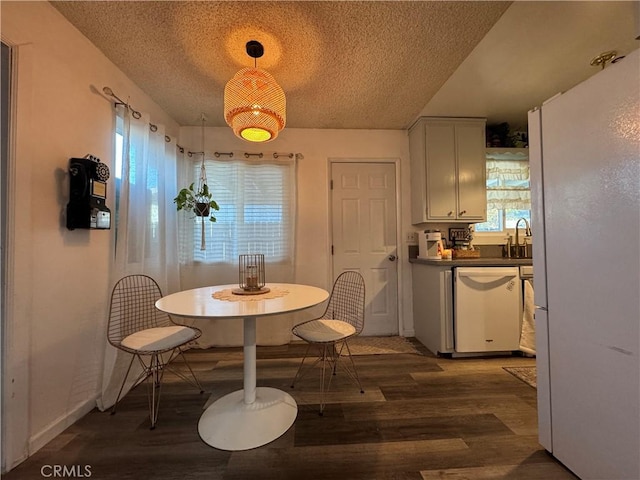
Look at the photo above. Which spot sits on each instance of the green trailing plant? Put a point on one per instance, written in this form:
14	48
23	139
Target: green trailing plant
200	202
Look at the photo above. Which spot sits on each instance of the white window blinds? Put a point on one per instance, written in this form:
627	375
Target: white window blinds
257	212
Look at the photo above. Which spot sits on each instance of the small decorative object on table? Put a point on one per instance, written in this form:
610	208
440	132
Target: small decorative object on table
456	253
251	275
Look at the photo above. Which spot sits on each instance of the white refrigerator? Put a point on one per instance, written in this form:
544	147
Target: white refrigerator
585	180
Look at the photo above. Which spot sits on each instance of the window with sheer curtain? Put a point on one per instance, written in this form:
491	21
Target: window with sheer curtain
508	194
144	220
257	212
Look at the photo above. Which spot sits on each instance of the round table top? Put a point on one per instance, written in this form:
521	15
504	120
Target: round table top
199	302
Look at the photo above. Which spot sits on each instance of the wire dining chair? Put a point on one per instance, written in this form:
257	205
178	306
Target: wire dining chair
342	319
137	327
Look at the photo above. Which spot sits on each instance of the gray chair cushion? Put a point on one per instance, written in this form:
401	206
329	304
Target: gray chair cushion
159	338
324	330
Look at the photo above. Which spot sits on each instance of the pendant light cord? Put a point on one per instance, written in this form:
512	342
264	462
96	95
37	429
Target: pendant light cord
203	171
203	181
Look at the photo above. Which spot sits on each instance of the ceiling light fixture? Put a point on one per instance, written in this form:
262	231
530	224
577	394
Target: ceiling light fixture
254	104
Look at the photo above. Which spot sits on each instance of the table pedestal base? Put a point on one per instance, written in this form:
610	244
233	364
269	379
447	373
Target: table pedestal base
230	424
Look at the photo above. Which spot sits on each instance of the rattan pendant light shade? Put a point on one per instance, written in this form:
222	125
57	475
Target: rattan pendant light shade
254	103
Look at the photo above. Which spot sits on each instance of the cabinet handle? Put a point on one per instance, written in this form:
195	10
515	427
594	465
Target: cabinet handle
450	213
463	212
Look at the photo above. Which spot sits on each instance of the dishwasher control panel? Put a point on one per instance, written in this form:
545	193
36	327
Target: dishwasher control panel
526	271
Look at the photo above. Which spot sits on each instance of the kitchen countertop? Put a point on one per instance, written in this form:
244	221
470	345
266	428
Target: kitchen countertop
474	262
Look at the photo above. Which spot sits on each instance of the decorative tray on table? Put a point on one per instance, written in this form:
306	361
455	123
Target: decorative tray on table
466	253
256	291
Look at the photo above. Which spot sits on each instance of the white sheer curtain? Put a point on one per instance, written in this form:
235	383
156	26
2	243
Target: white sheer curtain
145	224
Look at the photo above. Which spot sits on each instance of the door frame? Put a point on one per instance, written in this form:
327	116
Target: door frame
6	86
16	334
399	254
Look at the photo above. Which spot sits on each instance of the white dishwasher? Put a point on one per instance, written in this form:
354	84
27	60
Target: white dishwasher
487	309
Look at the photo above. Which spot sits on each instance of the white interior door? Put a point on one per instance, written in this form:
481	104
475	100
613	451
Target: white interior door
364	237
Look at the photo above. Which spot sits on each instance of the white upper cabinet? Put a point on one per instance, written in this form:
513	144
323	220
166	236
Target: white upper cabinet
448	174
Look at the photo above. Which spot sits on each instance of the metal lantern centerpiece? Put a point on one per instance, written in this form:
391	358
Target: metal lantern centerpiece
251	275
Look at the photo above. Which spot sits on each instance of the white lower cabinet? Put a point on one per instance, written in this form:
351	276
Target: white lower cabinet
433	307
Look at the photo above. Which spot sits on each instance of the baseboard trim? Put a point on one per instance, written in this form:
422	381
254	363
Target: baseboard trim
59	425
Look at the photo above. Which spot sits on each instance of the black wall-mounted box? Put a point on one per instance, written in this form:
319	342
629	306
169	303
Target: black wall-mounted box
87	194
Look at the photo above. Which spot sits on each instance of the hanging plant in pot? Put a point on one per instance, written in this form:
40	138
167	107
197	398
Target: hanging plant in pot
200	202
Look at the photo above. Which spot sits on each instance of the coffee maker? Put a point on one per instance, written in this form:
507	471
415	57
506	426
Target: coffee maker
430	245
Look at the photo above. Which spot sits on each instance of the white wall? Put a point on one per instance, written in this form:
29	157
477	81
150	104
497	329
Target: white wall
317	146
58	280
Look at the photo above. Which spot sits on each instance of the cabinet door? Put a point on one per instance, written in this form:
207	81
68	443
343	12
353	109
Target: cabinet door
440	170
433	307
472	189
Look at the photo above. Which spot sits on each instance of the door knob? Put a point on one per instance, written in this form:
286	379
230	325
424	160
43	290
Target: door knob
392	257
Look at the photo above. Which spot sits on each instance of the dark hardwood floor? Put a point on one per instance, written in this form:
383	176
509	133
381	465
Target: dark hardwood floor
421	417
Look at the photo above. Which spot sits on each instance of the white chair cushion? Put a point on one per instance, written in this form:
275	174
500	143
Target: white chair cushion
324	330
159	338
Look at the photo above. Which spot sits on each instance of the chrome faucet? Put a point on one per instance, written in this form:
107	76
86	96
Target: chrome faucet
527	232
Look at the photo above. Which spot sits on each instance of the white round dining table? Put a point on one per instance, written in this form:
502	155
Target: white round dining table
253	416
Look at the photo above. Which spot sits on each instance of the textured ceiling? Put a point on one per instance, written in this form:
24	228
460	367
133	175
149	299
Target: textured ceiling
341	64
359	64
